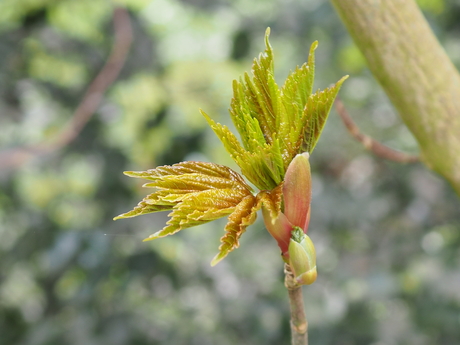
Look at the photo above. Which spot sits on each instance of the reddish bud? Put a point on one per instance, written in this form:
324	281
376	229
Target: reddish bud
280	228
297	191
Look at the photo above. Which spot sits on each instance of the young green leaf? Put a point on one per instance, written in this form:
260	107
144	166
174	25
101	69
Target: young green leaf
315	114
196	192
275	125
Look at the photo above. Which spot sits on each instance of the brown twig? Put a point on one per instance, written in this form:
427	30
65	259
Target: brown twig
370	144
92	98
299	324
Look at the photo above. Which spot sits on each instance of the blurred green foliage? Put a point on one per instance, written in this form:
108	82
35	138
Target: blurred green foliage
387	235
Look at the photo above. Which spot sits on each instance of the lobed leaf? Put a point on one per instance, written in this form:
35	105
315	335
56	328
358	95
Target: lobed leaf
244	214
294	97
262	92
298	87
274	124
229	140
199	208
315	115
264	167
196	192
188	167
249	128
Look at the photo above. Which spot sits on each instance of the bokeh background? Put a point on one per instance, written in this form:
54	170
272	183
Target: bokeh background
387	235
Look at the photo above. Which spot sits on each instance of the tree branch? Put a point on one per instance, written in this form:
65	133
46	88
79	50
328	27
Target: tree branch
123	37
370	144
299	324
415	72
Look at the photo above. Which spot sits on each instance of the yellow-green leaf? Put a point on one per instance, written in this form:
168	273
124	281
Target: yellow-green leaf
196	192
315	115
245	214
274	124
294	96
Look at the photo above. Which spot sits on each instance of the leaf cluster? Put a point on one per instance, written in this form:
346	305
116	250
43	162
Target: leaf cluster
274	123
199	192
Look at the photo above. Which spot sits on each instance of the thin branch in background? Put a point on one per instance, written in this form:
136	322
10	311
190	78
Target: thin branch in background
370	144
299	324
15	157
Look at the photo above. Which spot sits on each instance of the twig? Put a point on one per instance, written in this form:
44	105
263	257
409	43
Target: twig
370	144
299	324
123	37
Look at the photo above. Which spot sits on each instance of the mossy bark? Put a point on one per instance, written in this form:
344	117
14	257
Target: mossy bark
415	72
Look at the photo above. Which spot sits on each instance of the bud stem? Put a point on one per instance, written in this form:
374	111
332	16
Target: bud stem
299	324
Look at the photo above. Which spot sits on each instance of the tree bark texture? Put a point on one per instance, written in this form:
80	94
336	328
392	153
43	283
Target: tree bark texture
415	72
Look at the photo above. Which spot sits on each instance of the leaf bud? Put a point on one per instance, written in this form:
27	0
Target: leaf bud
297	191
302	257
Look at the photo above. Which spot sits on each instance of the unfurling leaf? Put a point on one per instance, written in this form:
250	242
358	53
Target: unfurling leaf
316	112
245	214
274	124
277	127
196	192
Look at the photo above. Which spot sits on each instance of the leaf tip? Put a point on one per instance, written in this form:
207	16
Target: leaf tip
203	113
267	32
218	258
267	42
338	85
150	238
313	46
345	77
207	117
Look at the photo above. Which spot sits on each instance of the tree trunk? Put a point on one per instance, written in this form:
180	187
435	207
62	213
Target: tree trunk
415	72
